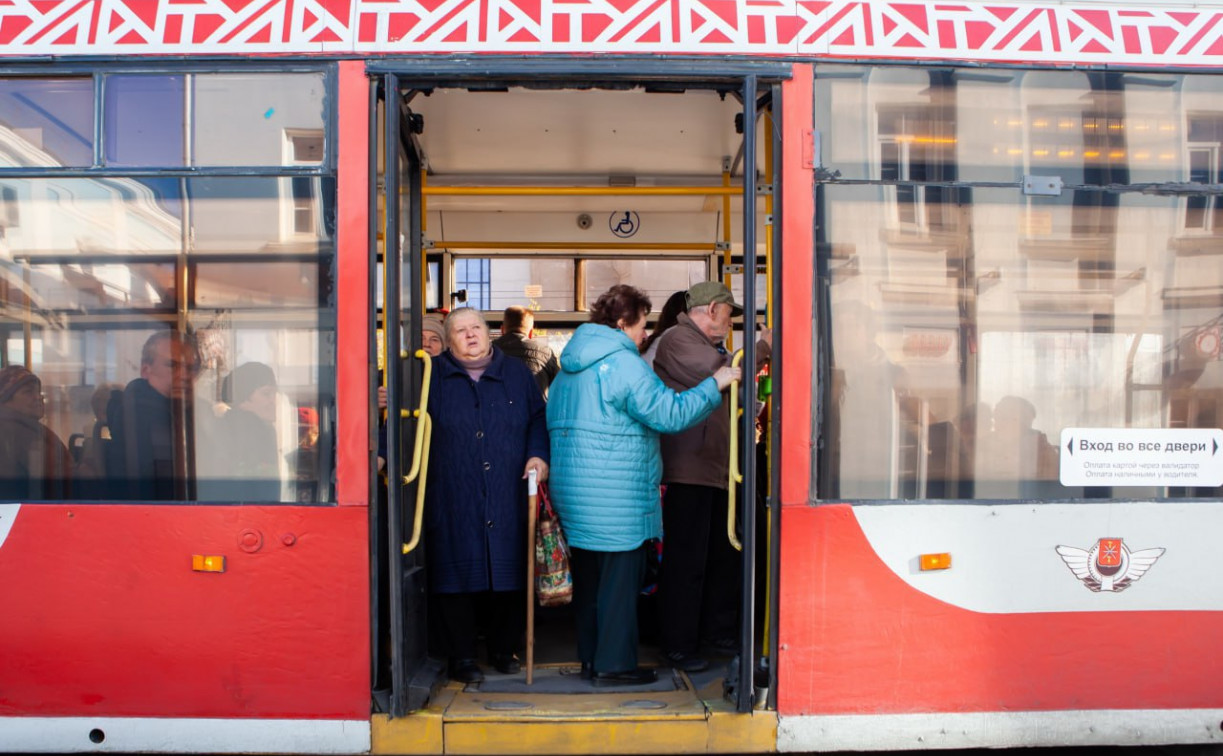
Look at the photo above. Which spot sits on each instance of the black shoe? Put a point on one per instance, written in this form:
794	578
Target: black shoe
465	671
506	664
721	646
588	671
685	662
637	676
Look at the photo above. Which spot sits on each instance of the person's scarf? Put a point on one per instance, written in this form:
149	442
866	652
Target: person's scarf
475	368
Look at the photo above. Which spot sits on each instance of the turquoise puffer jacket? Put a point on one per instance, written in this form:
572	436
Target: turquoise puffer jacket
605	411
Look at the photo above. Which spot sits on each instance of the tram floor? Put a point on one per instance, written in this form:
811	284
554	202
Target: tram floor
557	668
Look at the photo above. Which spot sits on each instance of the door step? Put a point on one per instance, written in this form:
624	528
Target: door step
560	713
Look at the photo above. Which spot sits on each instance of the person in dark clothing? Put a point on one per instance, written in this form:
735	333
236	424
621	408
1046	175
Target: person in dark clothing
248	432
700	579
34	463
517	325
152	424
489	432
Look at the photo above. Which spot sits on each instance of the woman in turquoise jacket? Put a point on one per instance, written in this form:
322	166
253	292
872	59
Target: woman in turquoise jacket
605	411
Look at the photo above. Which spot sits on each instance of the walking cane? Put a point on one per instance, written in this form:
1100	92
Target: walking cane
532	510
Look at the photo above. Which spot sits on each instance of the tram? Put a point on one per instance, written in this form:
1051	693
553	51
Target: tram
978	505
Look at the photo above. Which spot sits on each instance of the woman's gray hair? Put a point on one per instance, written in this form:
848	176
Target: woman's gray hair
448	324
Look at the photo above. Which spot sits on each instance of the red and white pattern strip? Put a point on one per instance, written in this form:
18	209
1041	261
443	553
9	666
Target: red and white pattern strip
1140	33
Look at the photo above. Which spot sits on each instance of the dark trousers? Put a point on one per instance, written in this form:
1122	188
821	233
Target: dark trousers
502	613
605	588
700	581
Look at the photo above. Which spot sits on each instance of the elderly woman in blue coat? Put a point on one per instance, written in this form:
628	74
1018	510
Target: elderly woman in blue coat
489	432
605	411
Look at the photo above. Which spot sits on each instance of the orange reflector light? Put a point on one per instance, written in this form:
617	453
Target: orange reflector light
935	561
201	563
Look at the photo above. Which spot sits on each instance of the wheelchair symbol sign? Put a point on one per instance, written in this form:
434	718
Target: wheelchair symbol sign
624	224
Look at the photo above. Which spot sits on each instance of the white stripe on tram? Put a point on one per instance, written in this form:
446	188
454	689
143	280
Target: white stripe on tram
909	732
8	515
166	735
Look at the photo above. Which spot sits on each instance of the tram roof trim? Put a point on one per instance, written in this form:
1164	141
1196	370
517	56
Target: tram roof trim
1095	33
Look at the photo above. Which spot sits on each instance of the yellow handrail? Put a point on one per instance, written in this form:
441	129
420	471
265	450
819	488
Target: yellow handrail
420	454
735	475
427	422
420	427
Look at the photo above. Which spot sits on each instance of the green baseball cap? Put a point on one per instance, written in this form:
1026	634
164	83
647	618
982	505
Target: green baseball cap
708	292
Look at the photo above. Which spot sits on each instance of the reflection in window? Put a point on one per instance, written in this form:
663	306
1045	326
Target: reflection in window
235	404
1203	213
257	119
143	120
46	122
958	349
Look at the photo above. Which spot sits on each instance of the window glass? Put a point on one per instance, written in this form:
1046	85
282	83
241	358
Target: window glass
659	279
911	124
258	119
46	123
143	120
968	325
958	357
496	283
97	290
261	214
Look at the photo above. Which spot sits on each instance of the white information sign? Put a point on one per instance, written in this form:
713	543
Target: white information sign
1142	457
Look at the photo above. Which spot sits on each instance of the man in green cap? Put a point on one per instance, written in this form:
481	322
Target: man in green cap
700	580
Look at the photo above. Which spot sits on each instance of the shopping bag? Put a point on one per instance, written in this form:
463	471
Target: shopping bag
553	583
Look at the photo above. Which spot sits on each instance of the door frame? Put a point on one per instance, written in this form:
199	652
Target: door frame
755	81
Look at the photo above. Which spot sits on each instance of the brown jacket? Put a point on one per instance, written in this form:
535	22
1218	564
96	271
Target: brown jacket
699	455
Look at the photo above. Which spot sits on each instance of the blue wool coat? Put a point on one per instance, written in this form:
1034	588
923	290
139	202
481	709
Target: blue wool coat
605	411
475	497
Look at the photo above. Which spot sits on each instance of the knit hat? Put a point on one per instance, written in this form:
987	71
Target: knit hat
433	323
244	380
12	378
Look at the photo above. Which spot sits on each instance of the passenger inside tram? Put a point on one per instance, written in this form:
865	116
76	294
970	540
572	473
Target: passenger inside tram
34	463
151	419
247	433
481	454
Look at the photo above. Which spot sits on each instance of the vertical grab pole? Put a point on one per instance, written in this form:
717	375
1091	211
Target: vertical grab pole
532	513
747	657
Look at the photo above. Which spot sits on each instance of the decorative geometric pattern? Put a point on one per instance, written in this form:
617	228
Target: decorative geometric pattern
1151	33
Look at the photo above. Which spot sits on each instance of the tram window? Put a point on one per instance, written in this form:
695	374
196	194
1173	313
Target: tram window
657	278
955	363
45	123
96	267
260	214
143	118
258	119
496	283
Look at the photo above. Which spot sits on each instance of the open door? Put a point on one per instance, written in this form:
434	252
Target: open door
412	675
529	184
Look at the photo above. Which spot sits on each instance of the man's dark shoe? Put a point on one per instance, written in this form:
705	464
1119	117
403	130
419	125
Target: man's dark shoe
465	671
588	671
637	676
685	662
506	664
721	646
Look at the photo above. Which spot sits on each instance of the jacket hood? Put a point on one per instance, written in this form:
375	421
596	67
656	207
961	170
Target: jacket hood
592	343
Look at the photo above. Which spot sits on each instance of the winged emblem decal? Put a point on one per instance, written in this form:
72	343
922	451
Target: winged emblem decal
1109	565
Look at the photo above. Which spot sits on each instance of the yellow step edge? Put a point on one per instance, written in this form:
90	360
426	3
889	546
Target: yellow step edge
456	722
